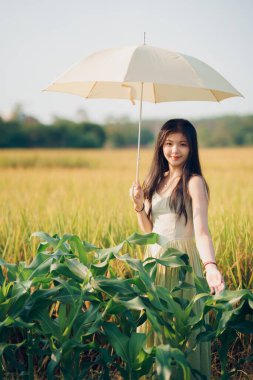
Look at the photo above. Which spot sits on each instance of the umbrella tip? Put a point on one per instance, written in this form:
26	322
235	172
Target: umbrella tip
144	42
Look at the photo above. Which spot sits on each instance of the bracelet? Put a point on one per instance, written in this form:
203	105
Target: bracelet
209	262
141	208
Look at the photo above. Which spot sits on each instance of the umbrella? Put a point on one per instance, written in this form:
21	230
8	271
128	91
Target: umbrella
144	73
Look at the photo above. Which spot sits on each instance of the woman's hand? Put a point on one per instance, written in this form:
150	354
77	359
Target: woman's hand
214	279
137	195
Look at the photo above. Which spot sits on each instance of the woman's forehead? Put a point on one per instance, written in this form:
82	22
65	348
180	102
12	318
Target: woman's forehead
175	137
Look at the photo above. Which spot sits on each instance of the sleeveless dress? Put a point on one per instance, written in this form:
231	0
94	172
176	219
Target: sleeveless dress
179	236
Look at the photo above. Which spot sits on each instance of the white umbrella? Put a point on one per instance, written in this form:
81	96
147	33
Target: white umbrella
143	73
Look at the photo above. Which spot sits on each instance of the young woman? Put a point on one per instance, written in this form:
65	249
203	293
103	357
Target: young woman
173	202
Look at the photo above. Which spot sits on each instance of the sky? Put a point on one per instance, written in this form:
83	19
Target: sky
40	39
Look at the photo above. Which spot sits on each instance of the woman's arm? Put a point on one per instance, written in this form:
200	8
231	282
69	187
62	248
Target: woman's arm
203	238
144	222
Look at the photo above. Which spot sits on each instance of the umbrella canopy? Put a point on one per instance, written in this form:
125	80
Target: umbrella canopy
143	73
166	76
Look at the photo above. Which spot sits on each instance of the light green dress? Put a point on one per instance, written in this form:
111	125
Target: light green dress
181	237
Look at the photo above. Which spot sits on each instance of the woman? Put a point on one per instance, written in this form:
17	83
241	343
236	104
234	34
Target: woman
173	202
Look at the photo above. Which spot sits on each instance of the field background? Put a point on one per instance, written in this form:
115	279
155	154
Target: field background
86	192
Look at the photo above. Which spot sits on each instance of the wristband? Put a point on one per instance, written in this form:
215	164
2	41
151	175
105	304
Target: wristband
209	262
140	209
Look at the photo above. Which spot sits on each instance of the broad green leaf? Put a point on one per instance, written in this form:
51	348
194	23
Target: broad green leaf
174	252
182	285
226	316
245	327
173	262
135	348
78	269
18	322
164	356
2	278
118	340
46	237
55	359
149	238
13	270
20	288
113	286
40	266
201	284
72	270
173	306
85	320
17	305
104	253
132	303
47	324
151	268
7	346
232	296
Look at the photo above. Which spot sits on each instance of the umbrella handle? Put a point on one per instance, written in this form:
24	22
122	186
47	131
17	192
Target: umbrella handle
139	137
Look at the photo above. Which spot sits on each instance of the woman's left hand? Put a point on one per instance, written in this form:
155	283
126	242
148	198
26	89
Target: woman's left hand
214	279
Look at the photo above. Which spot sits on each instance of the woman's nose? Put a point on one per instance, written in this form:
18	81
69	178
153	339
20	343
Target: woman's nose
174	148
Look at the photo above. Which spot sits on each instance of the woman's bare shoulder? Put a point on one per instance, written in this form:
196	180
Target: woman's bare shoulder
196	184
196	178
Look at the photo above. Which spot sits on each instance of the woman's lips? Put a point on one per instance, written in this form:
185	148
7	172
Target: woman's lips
175	157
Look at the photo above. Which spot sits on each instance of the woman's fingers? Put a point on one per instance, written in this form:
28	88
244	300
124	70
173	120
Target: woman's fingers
212	290
220	287
136	191
215	281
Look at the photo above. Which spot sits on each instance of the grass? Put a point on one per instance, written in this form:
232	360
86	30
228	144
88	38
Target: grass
86	192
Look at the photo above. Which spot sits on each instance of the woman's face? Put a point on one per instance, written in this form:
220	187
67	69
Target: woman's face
176	149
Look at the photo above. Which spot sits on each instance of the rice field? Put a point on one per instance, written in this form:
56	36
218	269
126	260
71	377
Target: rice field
86	192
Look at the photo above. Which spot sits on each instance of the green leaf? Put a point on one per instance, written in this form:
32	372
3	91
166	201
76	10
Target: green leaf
151	268
40	266
2	278
233	296
245	327
13	270
144	239
10	321
135	348
44	236
131	304
118	340
72	269
226	317
173	262
164	358
169	252
81	249
86	320
78	269
47	324
10	346
55	359
113	286
104	253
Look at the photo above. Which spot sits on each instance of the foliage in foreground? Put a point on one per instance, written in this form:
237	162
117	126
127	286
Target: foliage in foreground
68	314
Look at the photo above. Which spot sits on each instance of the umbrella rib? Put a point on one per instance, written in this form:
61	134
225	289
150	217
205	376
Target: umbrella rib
215	97
194	71
91	89
154	92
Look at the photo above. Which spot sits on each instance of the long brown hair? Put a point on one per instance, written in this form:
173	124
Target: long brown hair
180	196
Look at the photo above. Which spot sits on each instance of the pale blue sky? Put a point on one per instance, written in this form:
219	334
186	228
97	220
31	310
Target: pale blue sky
41	39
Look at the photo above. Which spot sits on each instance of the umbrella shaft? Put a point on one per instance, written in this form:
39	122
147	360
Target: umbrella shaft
139	137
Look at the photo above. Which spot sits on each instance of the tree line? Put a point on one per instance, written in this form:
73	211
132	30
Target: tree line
29	132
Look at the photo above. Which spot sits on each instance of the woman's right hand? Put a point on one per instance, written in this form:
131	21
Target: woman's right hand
137	195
